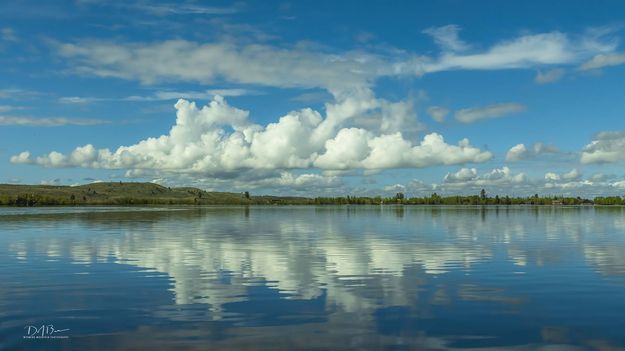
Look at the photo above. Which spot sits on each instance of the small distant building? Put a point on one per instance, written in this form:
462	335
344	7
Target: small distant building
556	202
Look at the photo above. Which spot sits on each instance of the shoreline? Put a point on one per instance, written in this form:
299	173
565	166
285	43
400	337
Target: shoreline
191	206
150	194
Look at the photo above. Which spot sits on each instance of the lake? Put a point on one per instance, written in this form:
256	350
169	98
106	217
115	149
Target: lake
312	278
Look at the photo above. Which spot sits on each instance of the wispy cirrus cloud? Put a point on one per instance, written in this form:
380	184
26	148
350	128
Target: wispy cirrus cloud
474	114
79	100
310	97
8	34
603	60
163	95
181	8
549	76
447	37
26	121
18	94
207	63
533	50
438	113
6	108
164	8
310	67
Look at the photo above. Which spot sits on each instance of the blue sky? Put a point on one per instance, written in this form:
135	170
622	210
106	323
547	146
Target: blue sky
316	98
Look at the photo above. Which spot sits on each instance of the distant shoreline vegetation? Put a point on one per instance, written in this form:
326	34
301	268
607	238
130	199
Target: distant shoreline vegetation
120	193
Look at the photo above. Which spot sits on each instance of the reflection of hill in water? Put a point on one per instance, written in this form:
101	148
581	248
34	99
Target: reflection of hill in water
358	258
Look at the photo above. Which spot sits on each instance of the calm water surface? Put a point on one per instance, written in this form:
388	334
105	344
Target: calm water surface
313	278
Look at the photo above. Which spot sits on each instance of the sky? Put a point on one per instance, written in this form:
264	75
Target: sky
316	98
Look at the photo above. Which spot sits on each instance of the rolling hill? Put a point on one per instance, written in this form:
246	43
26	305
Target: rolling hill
121	193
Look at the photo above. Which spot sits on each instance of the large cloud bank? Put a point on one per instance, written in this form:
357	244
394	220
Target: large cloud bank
218	139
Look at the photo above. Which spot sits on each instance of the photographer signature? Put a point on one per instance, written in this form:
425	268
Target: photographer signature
43	331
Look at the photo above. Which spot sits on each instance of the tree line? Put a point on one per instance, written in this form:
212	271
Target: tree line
482	199
479	199
434	199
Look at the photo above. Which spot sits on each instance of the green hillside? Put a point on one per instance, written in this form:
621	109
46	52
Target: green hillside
128	194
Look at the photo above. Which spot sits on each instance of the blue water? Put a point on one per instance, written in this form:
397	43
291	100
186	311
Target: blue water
313	278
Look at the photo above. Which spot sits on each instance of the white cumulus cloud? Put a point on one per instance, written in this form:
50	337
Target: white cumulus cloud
573	174
469	178
552	177
218	140
463	175
517	153
542	148
605	148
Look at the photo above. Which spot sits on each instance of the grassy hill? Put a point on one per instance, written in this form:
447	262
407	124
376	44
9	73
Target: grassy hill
128	194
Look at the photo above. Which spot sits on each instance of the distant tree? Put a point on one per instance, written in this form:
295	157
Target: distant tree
247	194
483	194
399	196
434	199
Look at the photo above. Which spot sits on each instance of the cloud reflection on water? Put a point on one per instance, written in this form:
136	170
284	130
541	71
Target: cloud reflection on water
356	262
